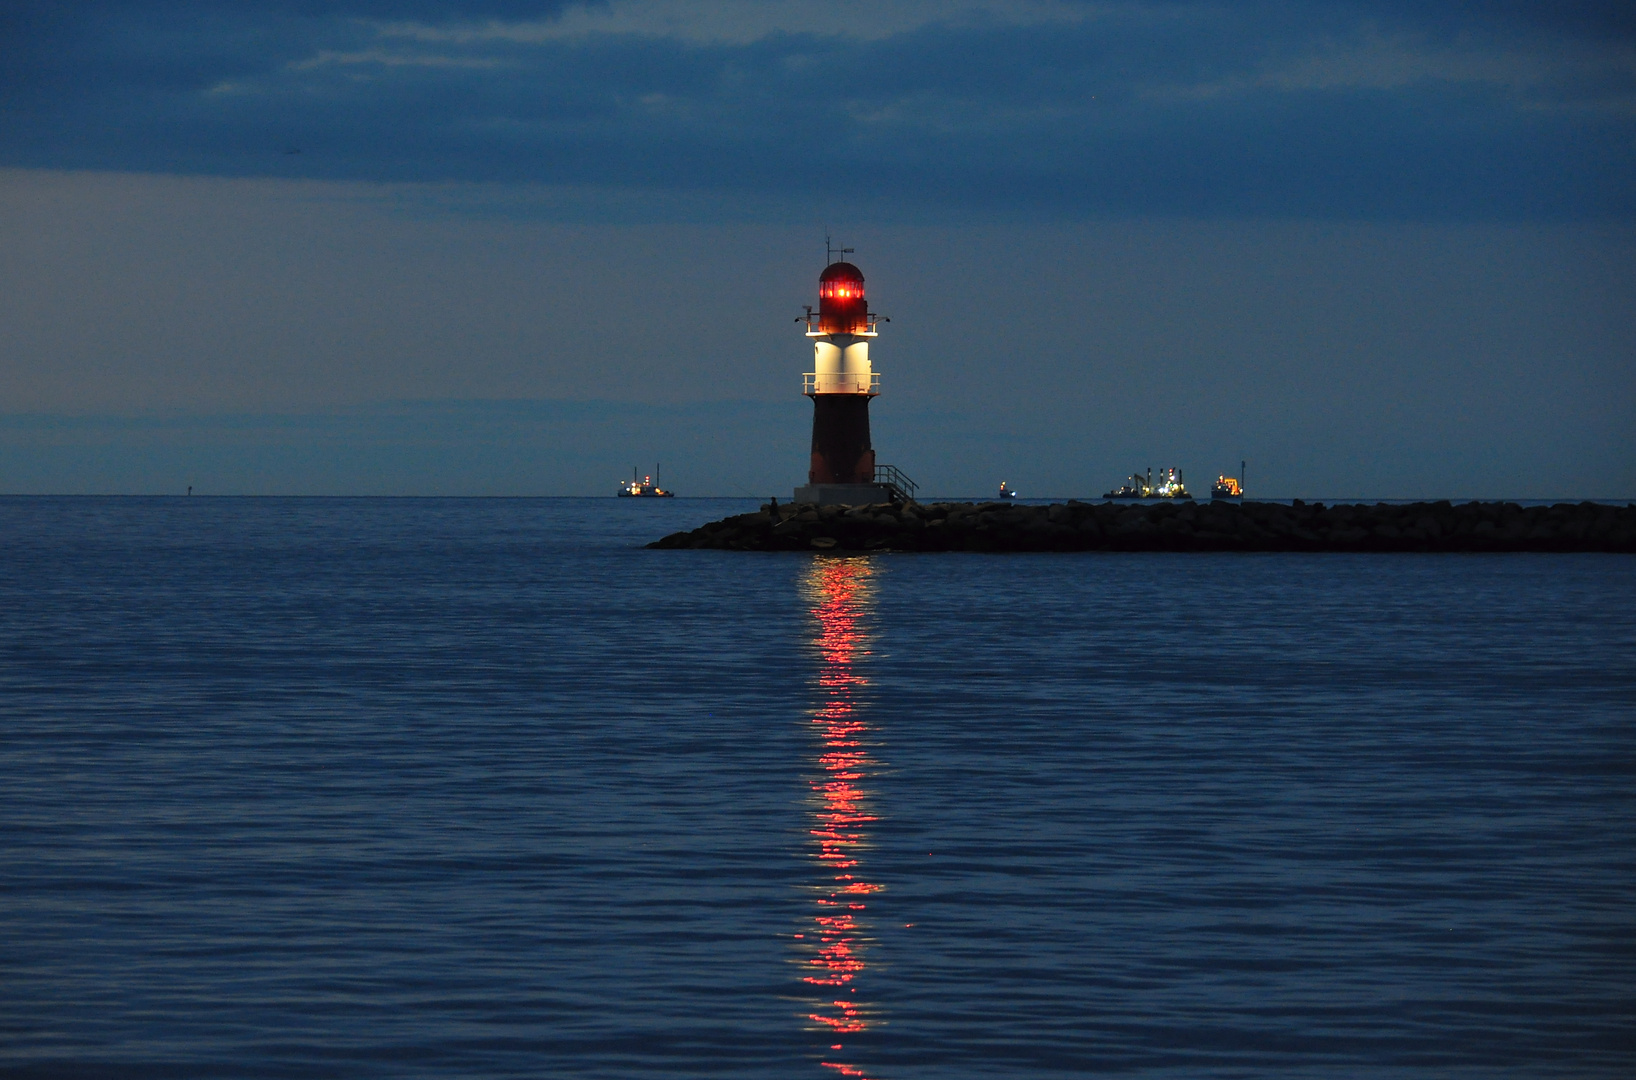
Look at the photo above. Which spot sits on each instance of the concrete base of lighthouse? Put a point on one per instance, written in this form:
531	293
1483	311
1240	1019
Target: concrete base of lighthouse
844	494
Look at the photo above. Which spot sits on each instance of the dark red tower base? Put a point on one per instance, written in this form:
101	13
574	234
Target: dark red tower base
841	453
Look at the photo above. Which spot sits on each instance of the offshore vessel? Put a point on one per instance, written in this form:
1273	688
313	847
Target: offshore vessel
1006	492
646	488
1229	488
1169	486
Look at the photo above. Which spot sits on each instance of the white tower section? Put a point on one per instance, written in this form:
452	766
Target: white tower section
840	363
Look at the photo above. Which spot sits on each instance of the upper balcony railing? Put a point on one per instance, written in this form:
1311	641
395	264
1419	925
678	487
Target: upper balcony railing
814	383
870	329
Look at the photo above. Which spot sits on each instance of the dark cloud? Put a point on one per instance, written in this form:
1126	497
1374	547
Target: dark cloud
1598	19
1453	110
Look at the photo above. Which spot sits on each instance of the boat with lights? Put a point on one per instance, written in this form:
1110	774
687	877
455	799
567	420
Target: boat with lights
645	488
1229	489
1138	486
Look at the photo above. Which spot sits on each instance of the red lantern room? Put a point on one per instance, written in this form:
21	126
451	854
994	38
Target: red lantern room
841	305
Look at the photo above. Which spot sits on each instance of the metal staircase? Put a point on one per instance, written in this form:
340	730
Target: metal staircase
897	481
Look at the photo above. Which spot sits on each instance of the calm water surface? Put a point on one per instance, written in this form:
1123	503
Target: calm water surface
479	788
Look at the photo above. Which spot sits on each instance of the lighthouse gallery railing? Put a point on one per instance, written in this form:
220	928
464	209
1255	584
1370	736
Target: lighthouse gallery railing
814	383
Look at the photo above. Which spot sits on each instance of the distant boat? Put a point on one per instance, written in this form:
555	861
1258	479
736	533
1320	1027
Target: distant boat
1005	492
1170	486
645	488
1229	488
1134	488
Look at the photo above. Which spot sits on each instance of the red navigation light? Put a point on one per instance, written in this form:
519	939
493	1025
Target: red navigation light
841	305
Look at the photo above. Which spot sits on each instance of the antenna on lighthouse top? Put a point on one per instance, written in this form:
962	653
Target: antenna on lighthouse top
830	250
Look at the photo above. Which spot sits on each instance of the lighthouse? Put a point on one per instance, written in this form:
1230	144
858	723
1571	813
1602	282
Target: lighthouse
841	383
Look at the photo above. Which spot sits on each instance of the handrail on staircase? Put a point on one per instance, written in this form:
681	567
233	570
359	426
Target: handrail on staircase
896	480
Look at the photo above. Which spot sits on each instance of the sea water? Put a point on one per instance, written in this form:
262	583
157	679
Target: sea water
481	788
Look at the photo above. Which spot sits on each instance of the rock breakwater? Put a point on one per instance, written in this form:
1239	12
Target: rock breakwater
1182	526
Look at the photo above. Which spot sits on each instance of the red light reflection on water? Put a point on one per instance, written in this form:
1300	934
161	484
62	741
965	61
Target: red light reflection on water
840	593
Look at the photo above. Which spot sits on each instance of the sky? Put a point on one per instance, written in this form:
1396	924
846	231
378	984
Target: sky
1377	250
